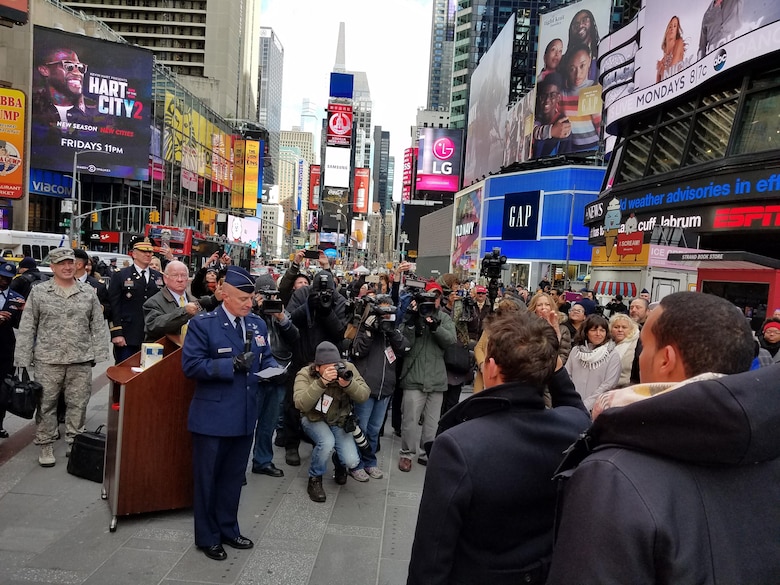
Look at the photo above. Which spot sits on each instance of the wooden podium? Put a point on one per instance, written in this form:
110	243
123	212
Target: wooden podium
148	465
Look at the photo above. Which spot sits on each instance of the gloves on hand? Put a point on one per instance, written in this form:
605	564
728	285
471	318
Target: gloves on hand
243	362
313	301
433	324
370	321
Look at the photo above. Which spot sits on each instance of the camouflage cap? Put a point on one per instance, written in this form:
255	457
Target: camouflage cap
58	255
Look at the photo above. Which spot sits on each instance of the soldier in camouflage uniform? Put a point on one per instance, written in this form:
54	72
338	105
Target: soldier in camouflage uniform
63	333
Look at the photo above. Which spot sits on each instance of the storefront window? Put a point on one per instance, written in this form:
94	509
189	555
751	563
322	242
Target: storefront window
760	128
519	274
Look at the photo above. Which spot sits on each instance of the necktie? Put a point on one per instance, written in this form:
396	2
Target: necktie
182	301
143	275
239	329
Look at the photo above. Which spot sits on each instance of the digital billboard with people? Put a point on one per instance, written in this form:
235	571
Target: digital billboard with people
90	95
568	94
685	45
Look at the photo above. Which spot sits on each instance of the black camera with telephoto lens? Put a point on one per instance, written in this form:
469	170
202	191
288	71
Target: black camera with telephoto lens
322	288
351	426
343	372
426	304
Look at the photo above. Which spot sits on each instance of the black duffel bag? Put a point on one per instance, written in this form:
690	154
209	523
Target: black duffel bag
20	395
457	358
87	455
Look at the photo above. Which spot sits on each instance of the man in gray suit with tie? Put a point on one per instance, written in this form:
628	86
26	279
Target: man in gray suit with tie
171	308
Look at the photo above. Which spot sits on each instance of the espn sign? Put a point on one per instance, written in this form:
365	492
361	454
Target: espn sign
751	217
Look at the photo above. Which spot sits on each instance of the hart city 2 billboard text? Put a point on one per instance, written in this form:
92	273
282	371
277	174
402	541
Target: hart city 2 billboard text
93	98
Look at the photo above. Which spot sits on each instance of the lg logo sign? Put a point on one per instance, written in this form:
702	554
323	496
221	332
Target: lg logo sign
443	149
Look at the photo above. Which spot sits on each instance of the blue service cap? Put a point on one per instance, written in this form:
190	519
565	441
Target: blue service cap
239	278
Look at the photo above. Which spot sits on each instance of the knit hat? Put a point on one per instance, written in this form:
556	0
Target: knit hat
327	353
265	282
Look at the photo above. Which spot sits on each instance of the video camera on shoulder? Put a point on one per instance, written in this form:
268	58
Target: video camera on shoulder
426	302
271	303
384	317
492	264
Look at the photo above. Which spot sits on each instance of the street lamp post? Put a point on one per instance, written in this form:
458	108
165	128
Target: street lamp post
75	201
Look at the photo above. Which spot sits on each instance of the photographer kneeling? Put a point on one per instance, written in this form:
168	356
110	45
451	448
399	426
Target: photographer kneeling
324	393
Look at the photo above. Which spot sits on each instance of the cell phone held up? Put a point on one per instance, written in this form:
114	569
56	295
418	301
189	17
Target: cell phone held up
311	254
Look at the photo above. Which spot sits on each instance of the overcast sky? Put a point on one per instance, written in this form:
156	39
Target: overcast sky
390	41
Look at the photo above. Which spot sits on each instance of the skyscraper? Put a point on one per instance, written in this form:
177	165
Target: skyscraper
442	51
477	25
381	169
361	103
211	44
269	97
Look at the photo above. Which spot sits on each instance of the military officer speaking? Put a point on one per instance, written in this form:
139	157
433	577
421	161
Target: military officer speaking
223	351
128	290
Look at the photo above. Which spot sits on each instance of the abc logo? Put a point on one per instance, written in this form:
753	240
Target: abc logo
720	60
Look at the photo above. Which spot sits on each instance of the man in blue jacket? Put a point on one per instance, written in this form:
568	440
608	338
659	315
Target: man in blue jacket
223	351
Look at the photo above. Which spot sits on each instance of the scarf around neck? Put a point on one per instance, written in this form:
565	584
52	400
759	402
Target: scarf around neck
593	357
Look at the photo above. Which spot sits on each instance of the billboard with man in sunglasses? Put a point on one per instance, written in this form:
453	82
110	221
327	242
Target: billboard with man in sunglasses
90	96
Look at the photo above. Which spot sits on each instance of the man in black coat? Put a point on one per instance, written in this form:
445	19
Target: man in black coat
678	479
82	258
488	505
11	306
128	290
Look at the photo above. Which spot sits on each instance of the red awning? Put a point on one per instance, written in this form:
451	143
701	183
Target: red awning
610	288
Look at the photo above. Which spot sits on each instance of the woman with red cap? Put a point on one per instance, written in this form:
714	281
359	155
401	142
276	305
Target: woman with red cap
770	338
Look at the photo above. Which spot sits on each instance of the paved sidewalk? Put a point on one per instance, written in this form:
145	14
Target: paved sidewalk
54	527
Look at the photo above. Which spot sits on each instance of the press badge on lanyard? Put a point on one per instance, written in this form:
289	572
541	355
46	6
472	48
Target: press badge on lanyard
390	354
323	404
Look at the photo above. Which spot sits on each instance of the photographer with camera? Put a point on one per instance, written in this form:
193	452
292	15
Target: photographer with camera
282	337
318	312
429	331
376	350
204	282
293	278
458	358
324	393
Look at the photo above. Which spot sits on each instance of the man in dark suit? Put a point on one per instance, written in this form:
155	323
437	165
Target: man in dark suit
82	258
11	305
223	350
171	308
128	290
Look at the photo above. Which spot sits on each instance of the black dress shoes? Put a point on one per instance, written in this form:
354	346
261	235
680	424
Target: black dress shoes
214	552
269	469
239	541
3	434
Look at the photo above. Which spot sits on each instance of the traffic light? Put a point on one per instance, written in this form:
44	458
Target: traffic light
94	217
154	216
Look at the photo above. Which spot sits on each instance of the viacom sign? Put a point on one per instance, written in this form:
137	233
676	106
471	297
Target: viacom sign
439	160
50	183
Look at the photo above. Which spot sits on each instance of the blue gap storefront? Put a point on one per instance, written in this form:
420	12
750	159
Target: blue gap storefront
532	215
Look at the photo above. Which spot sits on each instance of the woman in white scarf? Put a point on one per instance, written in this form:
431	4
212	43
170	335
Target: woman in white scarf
625	334
593	365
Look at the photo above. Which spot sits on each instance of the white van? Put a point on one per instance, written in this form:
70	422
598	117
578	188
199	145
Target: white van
45	265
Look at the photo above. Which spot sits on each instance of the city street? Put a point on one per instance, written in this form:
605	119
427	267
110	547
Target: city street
54	527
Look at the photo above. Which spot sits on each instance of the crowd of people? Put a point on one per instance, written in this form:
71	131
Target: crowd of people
309	358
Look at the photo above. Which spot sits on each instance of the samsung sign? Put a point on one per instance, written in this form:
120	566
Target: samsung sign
50	183
521	216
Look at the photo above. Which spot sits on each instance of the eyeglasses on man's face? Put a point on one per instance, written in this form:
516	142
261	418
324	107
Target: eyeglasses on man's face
69	66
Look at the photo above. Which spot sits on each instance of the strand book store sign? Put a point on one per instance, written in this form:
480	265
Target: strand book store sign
90	95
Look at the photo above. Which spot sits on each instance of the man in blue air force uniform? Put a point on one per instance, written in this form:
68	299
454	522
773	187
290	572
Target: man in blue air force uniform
223	350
